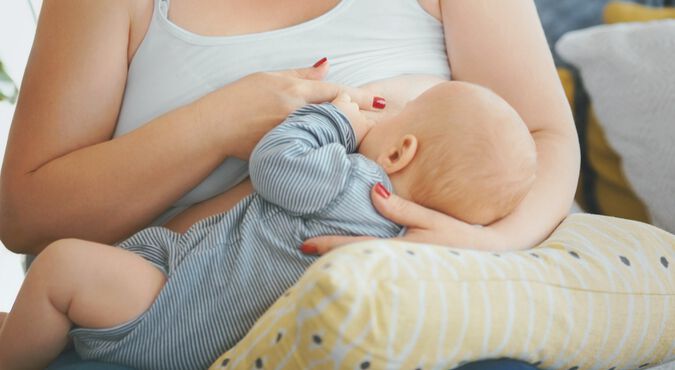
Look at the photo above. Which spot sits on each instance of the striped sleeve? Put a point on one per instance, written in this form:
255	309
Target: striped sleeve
302	165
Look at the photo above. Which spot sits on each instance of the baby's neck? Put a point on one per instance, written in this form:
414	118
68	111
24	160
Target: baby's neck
369	146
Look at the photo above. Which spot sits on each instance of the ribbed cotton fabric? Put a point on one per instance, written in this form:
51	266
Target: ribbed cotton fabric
365	40
228	269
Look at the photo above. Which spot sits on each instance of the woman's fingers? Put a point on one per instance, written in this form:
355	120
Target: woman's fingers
424	226
324	244
317	72
423	223
425	236
405	212
315	90
320	91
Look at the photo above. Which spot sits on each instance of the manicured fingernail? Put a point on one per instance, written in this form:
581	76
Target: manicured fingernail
382	191
309	249
320	62
379	103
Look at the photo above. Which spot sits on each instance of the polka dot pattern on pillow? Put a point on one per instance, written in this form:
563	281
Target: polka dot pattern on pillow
598	294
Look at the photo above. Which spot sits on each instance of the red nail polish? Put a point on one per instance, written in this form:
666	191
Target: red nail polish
379	103
382	191
309	249
320	62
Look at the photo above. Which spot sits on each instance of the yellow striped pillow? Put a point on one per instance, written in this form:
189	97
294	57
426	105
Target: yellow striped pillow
597	294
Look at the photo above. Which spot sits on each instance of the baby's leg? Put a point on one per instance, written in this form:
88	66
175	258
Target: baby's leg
73	281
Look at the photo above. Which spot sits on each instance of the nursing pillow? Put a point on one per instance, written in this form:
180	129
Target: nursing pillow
598	294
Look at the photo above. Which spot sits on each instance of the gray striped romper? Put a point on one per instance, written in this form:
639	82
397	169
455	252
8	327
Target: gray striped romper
227	269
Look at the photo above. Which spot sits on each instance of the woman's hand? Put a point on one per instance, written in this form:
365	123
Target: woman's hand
424	226
269	97
64	175
475	40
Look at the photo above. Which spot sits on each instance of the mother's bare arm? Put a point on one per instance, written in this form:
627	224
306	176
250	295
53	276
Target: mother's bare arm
501	45
64	176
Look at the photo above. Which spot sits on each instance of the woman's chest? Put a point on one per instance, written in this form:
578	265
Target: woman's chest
366	41
394	47
239	17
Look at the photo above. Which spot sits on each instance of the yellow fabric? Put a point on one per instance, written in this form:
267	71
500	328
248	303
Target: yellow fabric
567	80
621	12
613	193
599	293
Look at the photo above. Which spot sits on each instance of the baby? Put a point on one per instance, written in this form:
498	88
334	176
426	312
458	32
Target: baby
163	300
459	149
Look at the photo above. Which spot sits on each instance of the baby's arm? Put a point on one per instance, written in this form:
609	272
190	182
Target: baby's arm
223	202
302	165
74	282
359	122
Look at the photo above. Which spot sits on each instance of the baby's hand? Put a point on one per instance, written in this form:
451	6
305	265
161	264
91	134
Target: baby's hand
360	123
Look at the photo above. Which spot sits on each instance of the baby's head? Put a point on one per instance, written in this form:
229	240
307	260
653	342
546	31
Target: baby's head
459	149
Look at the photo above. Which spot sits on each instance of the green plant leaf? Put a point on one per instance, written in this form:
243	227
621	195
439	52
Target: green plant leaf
8	90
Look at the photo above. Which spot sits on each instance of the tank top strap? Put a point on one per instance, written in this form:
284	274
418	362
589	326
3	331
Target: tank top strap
365	41
162	8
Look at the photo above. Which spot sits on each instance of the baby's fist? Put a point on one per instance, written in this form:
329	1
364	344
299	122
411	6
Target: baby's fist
360	123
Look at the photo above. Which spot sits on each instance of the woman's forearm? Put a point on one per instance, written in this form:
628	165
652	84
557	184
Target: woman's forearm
108	190
551	197
62	175
501	45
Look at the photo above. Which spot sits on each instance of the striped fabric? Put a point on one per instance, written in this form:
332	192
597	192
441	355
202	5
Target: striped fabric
228	269
598	294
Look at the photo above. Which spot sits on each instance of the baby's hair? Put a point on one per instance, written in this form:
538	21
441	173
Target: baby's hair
478	170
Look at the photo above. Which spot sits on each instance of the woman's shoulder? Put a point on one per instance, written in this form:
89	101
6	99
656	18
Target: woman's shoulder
99	17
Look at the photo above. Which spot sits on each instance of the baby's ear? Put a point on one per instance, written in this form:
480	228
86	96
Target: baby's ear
398	157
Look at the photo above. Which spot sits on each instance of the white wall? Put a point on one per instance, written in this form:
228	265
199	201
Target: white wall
16	36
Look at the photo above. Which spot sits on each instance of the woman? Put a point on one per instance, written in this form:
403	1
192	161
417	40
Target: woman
128	119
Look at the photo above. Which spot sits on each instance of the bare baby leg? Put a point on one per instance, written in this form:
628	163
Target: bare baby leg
74	282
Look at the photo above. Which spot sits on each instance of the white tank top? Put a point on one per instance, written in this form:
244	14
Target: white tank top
365	41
